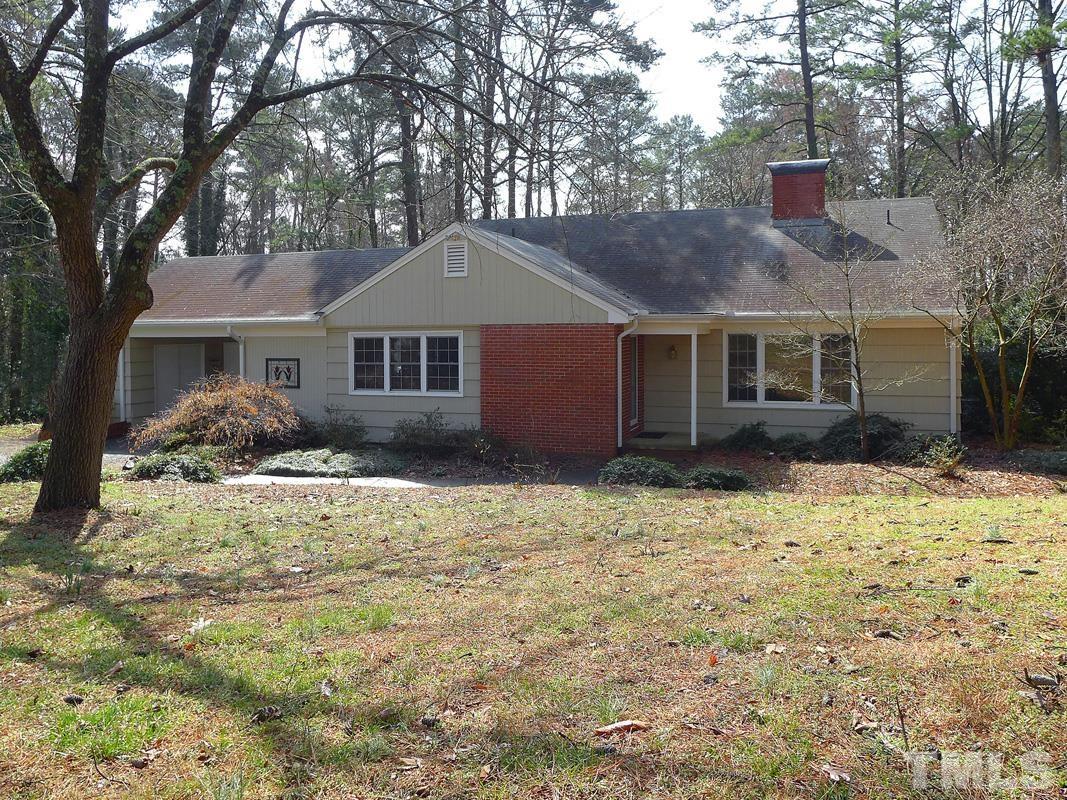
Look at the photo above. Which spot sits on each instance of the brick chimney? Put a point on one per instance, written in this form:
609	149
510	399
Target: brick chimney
798	190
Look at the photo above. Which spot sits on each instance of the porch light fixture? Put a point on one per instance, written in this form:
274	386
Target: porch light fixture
672	352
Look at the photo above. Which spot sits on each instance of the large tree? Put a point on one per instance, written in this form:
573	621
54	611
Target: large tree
79	47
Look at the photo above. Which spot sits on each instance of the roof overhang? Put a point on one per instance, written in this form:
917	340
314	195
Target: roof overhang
227	327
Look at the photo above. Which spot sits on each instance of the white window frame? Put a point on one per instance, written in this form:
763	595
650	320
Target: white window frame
385	335
444	257
816	403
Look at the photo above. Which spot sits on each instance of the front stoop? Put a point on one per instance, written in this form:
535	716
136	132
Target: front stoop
668	441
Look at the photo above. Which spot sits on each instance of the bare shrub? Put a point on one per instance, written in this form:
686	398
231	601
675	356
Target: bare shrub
225	411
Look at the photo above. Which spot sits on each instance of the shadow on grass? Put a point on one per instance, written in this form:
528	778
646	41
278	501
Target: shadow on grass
56	545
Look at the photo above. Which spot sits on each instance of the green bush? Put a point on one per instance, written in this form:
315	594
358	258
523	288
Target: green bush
841	440
640	470
727	480
327	463
174	467
427	434
1051	461
26	464
795	445
342	430
750	436
943	453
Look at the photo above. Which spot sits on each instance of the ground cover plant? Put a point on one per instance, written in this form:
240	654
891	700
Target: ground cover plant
333	642
328	463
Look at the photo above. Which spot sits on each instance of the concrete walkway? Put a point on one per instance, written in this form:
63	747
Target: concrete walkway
277	480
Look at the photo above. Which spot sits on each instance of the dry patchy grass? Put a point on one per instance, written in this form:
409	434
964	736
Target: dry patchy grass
466	642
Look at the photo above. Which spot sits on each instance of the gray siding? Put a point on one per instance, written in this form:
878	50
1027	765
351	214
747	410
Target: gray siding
495	291
888	352
380	412
310	398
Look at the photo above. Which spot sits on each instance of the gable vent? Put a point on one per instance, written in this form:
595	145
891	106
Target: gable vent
456	258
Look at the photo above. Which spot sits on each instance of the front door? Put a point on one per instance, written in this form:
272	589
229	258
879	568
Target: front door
177	367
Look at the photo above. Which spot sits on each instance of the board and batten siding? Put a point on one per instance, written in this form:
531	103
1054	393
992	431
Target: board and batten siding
888	353
495	291
310	399
380	412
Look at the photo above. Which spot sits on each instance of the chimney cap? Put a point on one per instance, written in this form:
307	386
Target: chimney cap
801	167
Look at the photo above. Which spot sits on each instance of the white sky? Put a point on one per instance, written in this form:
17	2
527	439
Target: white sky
680	83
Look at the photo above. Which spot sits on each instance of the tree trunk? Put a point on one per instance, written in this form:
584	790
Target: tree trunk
81	415
14	346
408	177
1053	145
899	173
809	85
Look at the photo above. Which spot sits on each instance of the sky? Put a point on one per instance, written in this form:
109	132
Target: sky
680	83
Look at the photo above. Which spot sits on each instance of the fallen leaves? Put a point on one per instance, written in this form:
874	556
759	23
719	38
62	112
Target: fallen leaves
621	727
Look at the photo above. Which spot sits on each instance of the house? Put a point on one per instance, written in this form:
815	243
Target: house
578	334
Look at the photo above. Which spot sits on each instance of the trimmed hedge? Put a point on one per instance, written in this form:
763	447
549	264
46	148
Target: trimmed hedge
1051	461
646	471
750	436
726	480
26	464
885	435
327	463
174	467
640	471
795	445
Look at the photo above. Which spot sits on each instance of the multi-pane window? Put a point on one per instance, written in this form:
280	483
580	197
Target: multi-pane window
787	373
442	363
776	368
406	363
741	372
835	368
368	363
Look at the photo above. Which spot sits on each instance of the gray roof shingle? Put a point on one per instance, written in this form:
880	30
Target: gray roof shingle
274	285
729	260
710	261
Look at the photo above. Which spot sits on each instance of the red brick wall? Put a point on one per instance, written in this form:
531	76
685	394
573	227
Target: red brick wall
798	196
627	412
551	386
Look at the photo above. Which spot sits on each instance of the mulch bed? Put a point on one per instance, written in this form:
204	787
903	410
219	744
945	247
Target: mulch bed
984	474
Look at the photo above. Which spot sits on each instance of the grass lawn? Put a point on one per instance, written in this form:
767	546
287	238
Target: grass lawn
331	642
19	430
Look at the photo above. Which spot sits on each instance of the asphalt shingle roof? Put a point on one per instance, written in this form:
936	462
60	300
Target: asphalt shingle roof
710	261
274	285
734	260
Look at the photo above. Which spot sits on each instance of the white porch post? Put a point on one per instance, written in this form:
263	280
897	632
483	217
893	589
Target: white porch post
122	380
693	390
241	356
952	389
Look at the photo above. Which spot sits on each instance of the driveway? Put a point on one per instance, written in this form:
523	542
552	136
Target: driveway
116	451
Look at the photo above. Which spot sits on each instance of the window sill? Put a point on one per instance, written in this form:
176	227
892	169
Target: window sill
382	393
783	404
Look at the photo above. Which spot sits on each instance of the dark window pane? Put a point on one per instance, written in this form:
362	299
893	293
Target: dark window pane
836	369
368	363
442	363
741	367
405	364
787	365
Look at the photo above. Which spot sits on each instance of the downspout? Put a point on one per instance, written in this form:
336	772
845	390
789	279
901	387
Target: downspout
618	379
953	390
